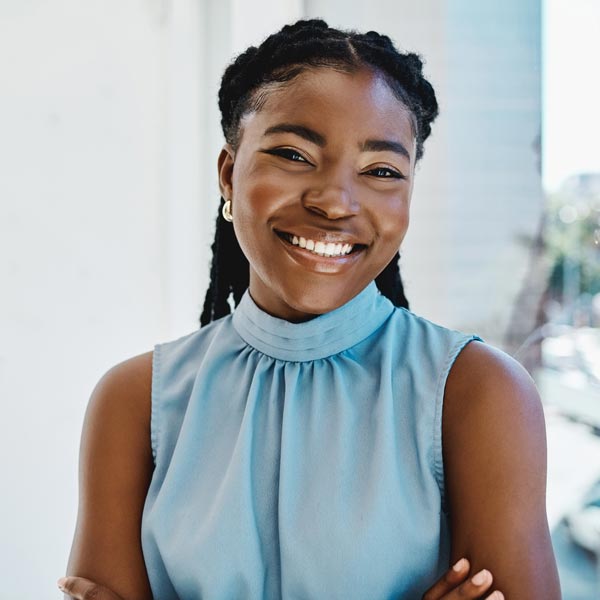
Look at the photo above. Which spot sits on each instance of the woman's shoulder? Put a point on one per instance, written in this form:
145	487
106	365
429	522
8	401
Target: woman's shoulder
486	388
406	318
483	371
194	343
121	402
428	340
128	384
123	397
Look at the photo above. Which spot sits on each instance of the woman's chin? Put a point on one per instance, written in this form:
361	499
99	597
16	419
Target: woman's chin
305	303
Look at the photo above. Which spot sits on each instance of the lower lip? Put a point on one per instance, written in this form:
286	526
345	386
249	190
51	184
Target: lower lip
321	264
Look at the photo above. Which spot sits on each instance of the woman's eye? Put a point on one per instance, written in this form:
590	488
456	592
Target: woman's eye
385	173
288	153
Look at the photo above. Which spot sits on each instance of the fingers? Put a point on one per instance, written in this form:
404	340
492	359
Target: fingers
475	587
80	588
454	585
448	581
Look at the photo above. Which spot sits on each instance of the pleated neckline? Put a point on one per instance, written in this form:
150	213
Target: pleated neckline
322	336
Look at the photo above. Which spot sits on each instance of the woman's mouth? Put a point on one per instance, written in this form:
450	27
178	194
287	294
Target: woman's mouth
318	248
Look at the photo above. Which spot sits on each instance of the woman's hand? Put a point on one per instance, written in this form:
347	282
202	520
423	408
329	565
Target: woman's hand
82	589
452	585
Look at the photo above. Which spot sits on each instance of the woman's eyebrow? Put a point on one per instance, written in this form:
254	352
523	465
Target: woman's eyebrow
385	146
320	140
300	130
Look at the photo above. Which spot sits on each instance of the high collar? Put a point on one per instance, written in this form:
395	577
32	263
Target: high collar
322	336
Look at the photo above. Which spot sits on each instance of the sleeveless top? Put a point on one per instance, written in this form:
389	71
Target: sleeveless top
300	460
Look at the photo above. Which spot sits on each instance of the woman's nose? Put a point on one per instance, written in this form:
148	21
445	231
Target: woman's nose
331	201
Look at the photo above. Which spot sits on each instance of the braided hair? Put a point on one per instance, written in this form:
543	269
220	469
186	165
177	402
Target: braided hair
280	58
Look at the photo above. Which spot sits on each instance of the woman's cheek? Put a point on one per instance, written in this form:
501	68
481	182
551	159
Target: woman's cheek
393	220
266	195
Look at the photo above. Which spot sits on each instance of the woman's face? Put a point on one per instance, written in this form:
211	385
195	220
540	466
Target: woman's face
328	159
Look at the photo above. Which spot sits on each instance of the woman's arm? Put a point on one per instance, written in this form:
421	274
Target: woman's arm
115	468
494	448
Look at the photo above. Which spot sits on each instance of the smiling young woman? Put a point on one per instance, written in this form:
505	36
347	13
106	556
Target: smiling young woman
321	441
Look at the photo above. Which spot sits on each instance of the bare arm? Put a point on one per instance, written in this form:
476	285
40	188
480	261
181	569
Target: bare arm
115	468
494	444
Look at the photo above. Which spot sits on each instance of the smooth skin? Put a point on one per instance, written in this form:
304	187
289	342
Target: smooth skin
331	174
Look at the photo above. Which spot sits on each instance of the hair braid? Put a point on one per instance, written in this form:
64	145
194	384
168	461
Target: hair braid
229	272
390	283
277	60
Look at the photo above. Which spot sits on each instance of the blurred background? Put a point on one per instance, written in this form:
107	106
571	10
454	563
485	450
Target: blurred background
109	133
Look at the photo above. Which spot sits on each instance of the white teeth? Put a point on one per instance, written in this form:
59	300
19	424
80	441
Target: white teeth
321	248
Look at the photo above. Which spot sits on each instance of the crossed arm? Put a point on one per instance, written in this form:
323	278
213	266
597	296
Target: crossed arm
115	468
494	445
494	448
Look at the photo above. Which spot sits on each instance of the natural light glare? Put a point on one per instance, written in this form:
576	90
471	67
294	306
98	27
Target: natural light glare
571	90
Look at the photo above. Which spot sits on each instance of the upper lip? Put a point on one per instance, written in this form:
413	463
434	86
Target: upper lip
322	235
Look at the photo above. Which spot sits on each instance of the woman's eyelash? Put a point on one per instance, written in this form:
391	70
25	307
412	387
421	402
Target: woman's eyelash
390	173
288	153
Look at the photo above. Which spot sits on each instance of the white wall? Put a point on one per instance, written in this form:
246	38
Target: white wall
494	196
87	123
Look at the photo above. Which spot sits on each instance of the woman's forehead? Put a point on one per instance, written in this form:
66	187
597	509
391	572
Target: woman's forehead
324	97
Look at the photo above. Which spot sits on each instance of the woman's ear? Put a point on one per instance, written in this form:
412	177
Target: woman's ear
225	169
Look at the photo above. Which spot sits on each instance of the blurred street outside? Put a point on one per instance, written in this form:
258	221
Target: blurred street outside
572	409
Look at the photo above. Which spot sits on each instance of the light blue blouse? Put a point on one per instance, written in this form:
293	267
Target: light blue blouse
300	460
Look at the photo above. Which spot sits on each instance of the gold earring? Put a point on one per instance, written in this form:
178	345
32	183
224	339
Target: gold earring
226	211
